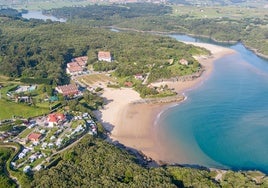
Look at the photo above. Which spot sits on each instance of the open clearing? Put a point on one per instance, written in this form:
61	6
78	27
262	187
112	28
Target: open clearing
95	79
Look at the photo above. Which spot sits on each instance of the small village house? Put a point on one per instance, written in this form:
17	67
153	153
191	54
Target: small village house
74	70
104	56
81	61
128	84
27	169
34	137
67	90
55	119
77	65
72	64
138	77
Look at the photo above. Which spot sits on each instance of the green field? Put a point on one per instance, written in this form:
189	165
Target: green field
41	4
95	78
10	109
3	79
25	133
219	12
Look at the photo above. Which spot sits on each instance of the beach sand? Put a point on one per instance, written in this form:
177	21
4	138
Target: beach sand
134	124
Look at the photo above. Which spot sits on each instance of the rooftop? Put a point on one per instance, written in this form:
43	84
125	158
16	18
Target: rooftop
67	89
103	55
34	136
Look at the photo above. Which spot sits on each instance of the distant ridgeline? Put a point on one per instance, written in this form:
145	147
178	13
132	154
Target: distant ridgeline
107	12
246	25
9	12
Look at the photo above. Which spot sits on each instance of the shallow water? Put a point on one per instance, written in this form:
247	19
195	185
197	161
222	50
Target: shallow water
41	16
224	122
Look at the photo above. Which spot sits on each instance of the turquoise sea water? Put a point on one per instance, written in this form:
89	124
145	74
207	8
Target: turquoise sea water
224	121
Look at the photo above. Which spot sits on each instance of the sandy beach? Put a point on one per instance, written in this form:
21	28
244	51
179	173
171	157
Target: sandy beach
134	124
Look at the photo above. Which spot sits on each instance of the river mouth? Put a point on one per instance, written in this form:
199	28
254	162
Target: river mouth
223	123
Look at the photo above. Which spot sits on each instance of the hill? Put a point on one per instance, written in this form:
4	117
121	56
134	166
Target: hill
96	163
41	50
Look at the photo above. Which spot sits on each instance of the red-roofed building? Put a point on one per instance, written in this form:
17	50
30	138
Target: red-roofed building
68	90
72	64
74	70
55	119
104	56
77	65
128	84
81	61
34	137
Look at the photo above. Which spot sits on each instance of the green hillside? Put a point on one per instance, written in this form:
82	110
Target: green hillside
96	163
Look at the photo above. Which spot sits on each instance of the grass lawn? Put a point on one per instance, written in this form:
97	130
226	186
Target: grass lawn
26	132
10	109
76	123
50	133
47	105
3	79
181	70
37	162
217	12
7	127
95	78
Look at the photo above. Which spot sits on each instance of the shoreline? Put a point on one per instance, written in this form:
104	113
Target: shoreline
255	51
136	125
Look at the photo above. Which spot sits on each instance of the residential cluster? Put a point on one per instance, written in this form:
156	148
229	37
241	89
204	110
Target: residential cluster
9	133
77	66
68	90
48	135
21	93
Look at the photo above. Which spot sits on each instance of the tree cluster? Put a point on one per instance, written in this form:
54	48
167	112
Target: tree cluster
5	154
38	51
96	163
106	12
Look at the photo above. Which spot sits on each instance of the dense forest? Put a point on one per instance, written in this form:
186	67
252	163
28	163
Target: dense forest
251	30
40	50
96	163
10	12
107	12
